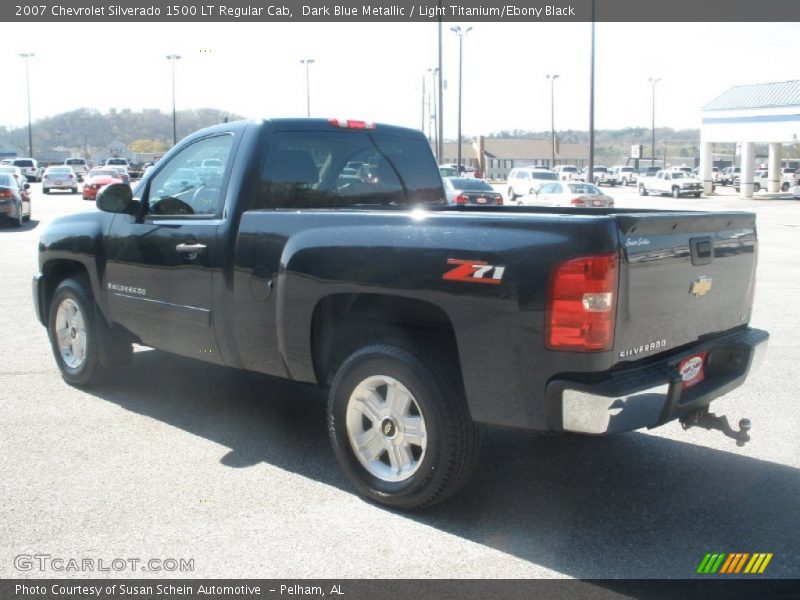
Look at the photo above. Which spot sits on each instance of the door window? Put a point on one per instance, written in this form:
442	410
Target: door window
191	182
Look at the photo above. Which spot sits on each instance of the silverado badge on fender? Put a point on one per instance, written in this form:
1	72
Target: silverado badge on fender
474	271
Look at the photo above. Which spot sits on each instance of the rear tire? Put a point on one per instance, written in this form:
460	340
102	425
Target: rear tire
785	187
756	187
511	195
17	223
697	195
642	190
401	394
676	192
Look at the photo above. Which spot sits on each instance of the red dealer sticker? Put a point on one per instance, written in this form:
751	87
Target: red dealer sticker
692	370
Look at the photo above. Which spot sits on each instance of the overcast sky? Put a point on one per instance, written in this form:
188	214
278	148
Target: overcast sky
374	71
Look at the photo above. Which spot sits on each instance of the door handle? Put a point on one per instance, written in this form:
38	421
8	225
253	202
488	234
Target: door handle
190	248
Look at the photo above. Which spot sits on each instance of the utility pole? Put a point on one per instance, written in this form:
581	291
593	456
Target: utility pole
433	112
173	58
27	56
653	83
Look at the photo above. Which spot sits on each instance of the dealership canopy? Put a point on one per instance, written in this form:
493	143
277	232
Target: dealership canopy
766	113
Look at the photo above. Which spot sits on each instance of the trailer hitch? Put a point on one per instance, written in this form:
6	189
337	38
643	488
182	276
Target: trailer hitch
706	420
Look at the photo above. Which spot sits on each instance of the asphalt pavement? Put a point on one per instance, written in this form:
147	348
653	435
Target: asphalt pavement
180	459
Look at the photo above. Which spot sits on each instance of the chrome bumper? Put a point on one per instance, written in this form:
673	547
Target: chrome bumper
651	396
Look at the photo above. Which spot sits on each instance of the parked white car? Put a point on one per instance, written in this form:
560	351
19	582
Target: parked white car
78	166
523	181
29	168
673	181
59	178
624	175
567	172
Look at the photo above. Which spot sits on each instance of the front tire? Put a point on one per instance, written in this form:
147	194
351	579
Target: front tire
82	343
785	186
400	427
642	190
511	195
676	192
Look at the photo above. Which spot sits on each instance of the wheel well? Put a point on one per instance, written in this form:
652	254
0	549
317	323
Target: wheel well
54	273
343	323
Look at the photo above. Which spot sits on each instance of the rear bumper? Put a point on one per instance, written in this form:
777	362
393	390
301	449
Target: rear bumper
651	395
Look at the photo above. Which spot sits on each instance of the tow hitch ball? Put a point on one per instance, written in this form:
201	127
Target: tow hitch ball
706	420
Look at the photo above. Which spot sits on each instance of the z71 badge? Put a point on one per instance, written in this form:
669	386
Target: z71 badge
474	271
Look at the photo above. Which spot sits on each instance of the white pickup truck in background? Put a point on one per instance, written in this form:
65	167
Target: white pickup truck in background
675	182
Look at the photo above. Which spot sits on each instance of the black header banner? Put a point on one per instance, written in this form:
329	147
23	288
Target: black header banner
399	10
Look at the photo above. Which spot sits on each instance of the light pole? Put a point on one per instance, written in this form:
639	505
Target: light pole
552	79
590	167
440	111
27	56
433	110
307	62
653	82
460	33
173	58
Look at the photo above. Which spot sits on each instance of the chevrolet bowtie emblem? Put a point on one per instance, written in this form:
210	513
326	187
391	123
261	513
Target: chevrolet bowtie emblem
700	286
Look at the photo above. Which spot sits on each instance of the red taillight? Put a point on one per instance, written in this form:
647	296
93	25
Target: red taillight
498	200
577	202
581	304
461	199
351	124
6	194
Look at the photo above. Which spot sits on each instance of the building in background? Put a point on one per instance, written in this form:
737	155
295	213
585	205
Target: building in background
500	155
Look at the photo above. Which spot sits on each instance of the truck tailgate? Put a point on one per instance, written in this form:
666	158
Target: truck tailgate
683	277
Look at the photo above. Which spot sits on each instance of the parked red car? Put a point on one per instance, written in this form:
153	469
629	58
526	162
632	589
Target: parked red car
96	179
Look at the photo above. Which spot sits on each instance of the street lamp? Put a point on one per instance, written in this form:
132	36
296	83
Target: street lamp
307	62
653	83
552	79
433	109
27	56
461	34
173	58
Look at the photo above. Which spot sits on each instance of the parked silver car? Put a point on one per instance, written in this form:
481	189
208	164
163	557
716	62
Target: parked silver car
59	178
572	194
523	181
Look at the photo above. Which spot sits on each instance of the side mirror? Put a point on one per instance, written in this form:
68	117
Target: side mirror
117	198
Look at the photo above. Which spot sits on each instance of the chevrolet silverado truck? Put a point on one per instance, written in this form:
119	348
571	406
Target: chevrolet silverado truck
675	182
423	320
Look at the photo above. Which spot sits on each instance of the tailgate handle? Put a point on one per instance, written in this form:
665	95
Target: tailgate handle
702	250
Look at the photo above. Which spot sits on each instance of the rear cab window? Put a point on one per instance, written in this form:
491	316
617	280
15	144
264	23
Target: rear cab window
340	169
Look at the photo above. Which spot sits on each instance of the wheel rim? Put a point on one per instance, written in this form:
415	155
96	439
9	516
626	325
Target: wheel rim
71	333
386	428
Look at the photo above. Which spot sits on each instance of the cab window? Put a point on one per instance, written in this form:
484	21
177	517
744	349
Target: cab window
184	187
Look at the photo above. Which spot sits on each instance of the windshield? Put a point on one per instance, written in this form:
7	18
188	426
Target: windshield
6	180
678	175
546	175
75	161
463	183
103	174
23	163
59	170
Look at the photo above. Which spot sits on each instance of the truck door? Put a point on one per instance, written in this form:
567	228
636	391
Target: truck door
158	275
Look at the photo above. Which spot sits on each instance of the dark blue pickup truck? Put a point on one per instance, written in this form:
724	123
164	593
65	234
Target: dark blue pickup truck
324	251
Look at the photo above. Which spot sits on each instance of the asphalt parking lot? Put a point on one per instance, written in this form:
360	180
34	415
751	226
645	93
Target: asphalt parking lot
181	459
